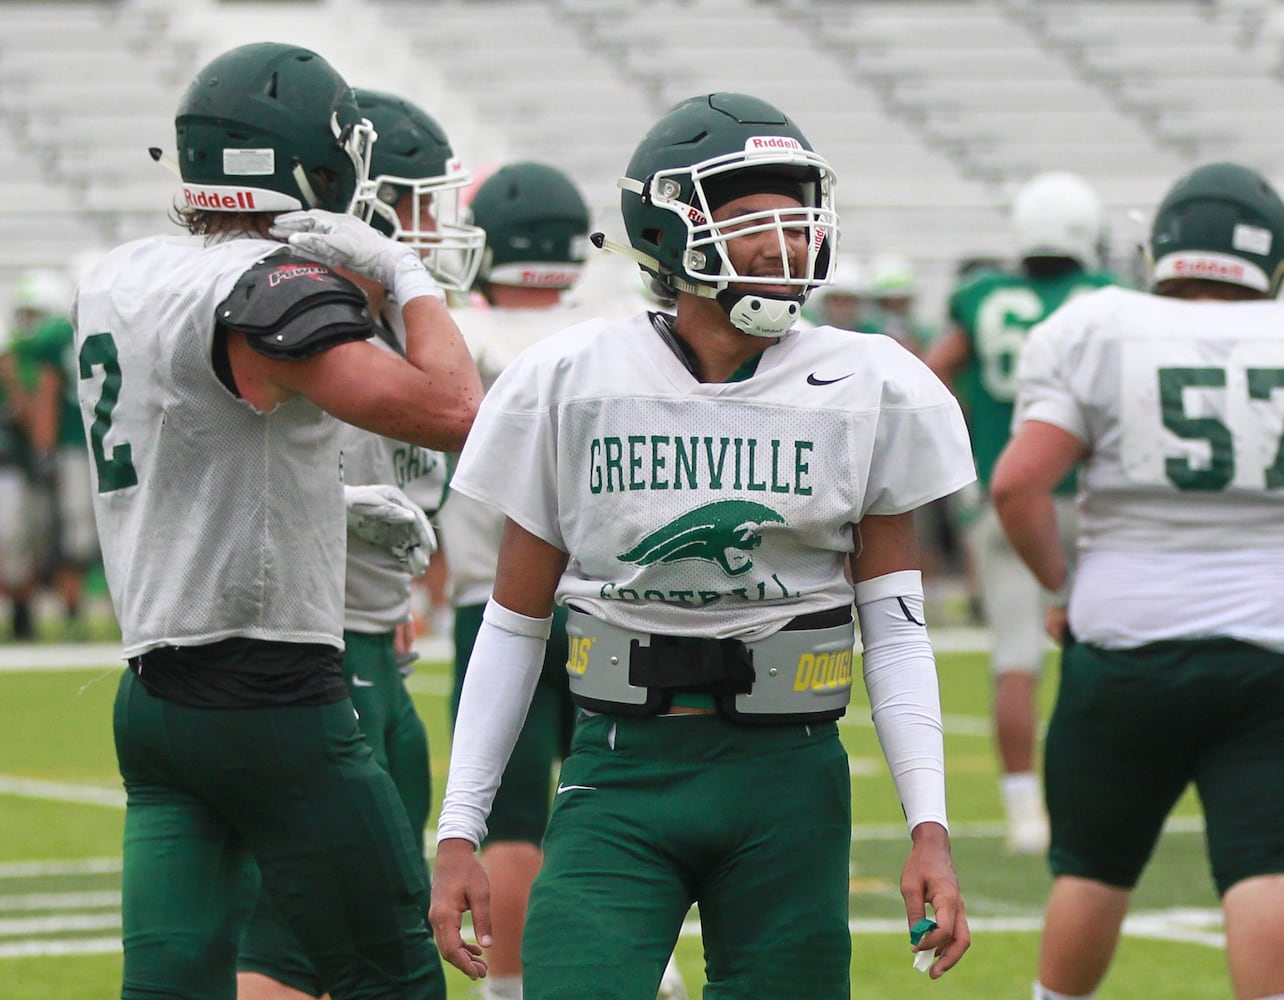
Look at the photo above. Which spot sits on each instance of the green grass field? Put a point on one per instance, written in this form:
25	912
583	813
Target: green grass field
61	813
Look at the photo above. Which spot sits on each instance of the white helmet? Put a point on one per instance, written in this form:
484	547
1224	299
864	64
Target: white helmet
1058	214
45	292
892	277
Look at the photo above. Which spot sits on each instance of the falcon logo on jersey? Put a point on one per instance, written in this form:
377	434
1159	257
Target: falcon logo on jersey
723	532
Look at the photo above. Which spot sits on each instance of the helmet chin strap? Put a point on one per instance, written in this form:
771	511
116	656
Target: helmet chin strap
760	315
750	312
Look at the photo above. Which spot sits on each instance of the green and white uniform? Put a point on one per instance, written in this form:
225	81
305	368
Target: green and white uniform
995	312
23	528
223	533
53	344
1179	661
714	511
472	530
376	602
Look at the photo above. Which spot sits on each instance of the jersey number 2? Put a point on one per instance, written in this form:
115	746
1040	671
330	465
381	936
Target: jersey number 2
115	471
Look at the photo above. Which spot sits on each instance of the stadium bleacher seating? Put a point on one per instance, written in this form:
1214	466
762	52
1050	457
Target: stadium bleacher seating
932	111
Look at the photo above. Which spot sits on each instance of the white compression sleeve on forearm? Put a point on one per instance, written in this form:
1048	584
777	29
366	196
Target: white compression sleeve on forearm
900	676
498	687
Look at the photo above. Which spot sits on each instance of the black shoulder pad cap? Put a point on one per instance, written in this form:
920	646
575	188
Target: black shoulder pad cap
292	308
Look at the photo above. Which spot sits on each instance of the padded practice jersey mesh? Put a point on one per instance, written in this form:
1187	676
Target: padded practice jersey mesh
236	523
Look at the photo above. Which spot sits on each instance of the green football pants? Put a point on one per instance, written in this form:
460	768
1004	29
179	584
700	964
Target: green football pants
294	789
653	814
391	725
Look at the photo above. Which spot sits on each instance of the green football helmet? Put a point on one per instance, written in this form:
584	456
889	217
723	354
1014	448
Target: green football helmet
706	151
536	224
268	127
1221	222
412	156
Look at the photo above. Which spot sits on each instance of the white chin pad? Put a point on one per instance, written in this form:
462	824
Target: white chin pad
762	316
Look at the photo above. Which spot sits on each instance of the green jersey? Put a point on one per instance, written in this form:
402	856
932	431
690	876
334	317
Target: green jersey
995	312
52	343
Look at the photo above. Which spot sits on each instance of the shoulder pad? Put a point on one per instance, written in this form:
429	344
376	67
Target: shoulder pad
291	307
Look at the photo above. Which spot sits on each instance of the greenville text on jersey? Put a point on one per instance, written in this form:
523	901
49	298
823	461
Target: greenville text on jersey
662	462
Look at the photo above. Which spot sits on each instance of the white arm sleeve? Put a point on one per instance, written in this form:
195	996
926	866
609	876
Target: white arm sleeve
498	687
905	700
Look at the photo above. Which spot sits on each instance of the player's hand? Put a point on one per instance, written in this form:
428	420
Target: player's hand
1055	622
929	879
383	515
345	241
459	883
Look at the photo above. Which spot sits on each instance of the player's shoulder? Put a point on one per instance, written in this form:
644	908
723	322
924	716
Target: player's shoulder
867	366
978	286
580	339
1096	302
292	307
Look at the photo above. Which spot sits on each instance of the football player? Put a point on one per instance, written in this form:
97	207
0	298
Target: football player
28	405
212	367
693	488
60	455
1171	403
537	226
414	175
1058	227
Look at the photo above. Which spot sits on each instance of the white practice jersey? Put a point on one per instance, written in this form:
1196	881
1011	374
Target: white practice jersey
495	337
1182	499
736	499
215	520
377	589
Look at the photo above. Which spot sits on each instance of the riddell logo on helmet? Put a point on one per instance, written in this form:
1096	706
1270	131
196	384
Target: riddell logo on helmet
773	142
1206	267
235	201
541	279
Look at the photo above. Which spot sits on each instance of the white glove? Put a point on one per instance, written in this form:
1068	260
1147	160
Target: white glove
345	241
385	516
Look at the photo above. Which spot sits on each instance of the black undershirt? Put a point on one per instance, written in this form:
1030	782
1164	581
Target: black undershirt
243	673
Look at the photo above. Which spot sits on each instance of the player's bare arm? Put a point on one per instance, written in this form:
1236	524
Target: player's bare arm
365	386
1037	458
949	356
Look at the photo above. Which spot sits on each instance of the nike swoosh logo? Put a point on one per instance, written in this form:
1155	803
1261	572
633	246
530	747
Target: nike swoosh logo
571	788
813	380
357	682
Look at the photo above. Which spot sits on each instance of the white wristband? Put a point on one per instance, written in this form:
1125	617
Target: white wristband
905	703
411	280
